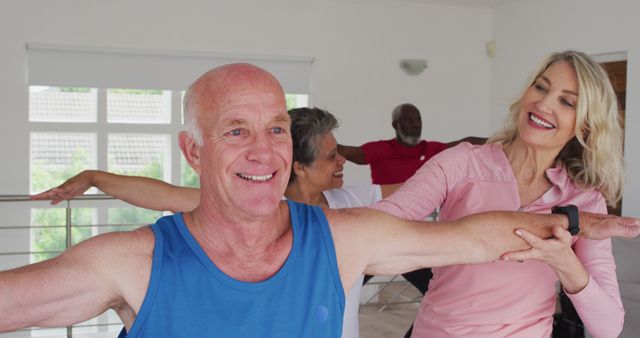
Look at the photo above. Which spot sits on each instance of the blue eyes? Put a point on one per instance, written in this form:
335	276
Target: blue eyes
241	131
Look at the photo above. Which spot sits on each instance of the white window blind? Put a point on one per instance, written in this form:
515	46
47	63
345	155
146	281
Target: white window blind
79	66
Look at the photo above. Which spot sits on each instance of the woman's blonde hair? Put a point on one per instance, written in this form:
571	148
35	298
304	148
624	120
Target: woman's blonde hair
593	158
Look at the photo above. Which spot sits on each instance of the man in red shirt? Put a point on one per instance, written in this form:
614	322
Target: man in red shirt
394	161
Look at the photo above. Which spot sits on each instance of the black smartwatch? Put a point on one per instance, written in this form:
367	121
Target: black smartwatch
572	213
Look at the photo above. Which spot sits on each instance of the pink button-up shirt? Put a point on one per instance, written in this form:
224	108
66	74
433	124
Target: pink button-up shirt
503	299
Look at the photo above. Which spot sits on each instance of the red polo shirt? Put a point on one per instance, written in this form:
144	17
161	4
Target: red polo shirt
392	162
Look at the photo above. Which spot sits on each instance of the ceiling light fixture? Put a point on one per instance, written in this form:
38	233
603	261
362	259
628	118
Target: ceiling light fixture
413	66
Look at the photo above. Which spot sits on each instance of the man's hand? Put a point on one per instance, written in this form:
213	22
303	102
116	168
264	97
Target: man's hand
599	226
72	187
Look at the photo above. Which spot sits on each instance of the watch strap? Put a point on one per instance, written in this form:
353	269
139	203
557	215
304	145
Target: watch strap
572	213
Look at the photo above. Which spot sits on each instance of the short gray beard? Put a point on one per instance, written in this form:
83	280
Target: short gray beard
410	140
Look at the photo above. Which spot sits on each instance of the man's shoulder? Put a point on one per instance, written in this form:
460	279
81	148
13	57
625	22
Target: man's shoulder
380	143
302	213
431	143
381	148
121	259
128	243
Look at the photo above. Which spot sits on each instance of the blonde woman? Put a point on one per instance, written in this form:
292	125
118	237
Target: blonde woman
561	144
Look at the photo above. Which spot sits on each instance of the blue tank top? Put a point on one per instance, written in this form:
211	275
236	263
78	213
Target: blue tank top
188	296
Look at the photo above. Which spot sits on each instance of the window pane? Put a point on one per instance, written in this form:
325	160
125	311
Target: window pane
48	332
106	325
48	235
188	177
297	100
62	104
140	154
138	106
56	157
124	219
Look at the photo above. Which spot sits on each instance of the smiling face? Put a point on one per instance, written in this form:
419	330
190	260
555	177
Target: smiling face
326	171
547	115
245	158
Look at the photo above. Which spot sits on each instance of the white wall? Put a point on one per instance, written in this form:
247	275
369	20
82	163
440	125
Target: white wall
525	31
356	47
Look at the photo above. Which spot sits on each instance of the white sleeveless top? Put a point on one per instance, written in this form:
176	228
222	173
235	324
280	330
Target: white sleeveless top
351	197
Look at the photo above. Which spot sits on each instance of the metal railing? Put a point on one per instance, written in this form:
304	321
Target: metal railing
68	226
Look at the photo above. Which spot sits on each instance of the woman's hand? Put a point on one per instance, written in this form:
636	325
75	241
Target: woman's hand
557	253
72	187
553	251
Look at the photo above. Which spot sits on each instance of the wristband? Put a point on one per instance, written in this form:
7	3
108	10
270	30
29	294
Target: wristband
572	213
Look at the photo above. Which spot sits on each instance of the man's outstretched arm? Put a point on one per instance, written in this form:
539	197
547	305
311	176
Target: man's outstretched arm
140	191
377	243
106	271
352	154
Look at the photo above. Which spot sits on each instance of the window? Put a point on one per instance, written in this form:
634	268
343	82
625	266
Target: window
126	131
56	156
62	104
138	106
